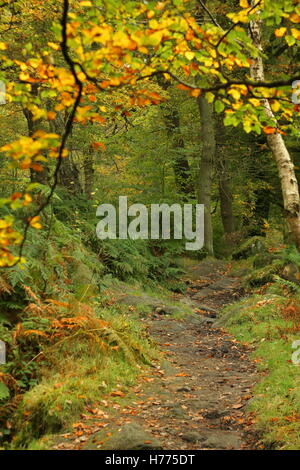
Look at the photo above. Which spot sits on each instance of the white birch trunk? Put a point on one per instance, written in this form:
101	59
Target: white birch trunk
285	166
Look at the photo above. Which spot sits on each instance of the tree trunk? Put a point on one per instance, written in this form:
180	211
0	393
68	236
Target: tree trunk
261	212
224	180
89	173
69	176
226	203
259	167
206	169
181	165
285	166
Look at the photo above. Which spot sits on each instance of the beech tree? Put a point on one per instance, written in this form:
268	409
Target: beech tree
285	165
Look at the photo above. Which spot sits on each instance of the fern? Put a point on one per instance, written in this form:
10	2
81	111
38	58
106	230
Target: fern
291	286
4	392
290	255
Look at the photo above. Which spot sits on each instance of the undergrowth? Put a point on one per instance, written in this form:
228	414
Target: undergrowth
270	320
67	344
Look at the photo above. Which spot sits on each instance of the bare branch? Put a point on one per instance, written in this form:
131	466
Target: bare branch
209	13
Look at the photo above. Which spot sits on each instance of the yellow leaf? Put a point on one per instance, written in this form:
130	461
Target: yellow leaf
240	17
24	76
143	50
255	102
122	39
4	224
3	46
237	105
189	55
234	93
81	76
34	63
154	24
34	222
275	106
244	4
279	33
54	45
40	158
296	33
27	199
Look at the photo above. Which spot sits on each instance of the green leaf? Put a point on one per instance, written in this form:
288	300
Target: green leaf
210	97
219	106
290	40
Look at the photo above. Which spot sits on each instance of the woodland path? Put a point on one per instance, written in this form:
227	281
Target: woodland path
197	398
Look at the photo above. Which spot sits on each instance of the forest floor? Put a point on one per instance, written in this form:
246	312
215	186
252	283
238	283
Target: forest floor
196	397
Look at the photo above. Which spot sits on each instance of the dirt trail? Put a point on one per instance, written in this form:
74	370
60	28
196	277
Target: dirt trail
197	399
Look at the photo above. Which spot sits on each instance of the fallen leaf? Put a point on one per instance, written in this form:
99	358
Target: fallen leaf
237	406
117	393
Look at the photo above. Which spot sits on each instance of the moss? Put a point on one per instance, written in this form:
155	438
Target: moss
249	248
262	260
264	275
88	372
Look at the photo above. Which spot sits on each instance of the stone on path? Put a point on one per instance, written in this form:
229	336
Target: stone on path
132	436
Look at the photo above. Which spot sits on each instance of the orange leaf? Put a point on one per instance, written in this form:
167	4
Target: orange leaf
280	32
295	18
35	332
51	115
16	196
78	425
58	385
195	93
98	145
183	87
37	167
118	393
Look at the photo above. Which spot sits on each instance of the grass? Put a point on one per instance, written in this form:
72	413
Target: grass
88	371
263	321
144	299
86	361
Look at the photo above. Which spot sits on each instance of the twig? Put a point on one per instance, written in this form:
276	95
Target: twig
236	24
209	14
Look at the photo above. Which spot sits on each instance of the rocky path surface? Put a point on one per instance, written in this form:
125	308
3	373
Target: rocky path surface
197	398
